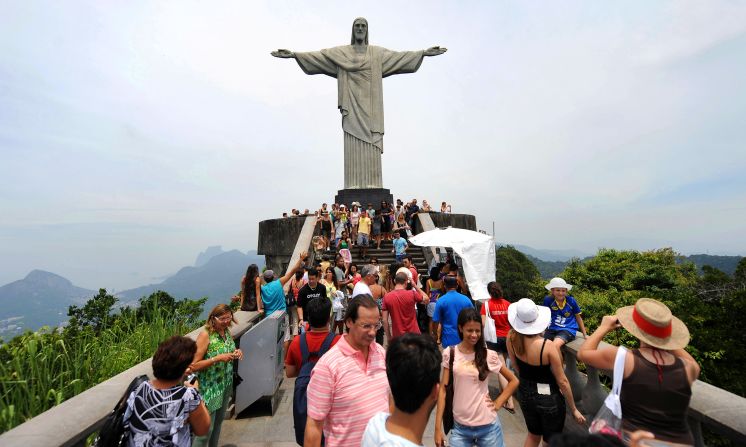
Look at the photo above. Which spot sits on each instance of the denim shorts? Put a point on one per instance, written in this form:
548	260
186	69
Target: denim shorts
489	435
551	334
544	414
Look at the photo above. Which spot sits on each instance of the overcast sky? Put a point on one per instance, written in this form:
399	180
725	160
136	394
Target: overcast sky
135	134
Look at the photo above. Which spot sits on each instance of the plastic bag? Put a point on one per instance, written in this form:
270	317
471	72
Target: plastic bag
608	420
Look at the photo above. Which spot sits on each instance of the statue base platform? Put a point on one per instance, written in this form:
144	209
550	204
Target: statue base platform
364	196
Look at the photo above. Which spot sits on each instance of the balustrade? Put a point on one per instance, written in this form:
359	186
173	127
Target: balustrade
720	411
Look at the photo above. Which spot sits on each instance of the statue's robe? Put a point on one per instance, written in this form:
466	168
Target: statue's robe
360	100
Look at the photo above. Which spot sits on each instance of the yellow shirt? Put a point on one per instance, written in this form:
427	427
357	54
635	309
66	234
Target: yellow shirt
363	225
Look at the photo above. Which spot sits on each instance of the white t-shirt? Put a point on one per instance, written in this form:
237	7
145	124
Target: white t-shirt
376	434
361	289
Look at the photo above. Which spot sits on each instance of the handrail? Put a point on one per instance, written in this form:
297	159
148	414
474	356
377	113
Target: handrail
426	222
71	422
302	244
717	409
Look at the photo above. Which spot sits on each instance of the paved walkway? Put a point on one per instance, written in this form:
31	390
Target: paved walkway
256	428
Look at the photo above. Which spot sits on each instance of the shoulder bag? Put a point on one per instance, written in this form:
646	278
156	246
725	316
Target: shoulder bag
448	411
490	332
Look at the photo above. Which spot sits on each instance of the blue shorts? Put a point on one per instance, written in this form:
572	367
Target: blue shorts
488	435
551	334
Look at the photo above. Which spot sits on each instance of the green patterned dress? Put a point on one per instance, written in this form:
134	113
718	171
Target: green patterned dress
216	380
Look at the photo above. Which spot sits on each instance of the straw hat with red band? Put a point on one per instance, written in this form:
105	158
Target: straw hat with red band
651	321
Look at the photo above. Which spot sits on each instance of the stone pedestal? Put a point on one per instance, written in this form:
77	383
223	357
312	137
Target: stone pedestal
364	196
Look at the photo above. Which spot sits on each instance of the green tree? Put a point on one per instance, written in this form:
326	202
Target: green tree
713	276
96	313
630	270
517	274
740	274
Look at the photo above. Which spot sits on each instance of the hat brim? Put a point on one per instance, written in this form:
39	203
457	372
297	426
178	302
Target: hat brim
549	287
678	339
535	327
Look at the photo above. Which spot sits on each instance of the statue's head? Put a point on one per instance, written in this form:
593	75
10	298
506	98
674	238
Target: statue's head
359	31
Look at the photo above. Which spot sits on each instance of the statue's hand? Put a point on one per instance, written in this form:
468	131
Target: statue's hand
285	54
435	51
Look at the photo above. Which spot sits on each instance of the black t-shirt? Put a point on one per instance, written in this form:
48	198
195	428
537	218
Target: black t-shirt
411	210
384	210
306	294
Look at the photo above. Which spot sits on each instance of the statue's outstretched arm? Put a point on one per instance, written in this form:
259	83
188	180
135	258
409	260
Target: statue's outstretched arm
282	53
434	51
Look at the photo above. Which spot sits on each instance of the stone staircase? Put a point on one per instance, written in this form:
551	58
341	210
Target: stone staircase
386	257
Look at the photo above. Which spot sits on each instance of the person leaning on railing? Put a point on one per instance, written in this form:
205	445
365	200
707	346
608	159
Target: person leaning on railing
544	391
657	377
163	411
213	363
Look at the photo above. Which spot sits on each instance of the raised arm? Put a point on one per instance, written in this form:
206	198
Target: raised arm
291	271
589	352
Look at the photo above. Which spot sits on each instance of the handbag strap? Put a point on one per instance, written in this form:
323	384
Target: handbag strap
621	355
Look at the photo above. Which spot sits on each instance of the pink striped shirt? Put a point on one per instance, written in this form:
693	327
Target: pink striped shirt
345	392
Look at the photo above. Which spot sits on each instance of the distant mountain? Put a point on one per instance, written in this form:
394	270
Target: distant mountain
208	254
549	255
218	279
725	263
39	299
547	269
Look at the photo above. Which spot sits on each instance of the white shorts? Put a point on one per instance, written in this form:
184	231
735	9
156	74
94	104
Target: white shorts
286	325
292	320
430	309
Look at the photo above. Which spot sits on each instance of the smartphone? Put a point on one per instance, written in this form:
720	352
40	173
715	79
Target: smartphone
192	378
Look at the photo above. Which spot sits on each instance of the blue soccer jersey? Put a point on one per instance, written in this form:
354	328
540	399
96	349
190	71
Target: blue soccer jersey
563	319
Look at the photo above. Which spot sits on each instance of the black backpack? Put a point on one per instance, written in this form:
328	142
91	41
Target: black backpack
300	404
113	432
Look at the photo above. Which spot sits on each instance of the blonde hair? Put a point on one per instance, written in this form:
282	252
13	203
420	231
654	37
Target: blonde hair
383	274
518	341
216	311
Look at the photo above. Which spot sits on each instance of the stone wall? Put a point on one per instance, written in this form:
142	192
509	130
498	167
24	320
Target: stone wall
277	238
443	220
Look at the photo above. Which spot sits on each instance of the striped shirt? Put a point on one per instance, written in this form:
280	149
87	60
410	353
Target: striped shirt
345	392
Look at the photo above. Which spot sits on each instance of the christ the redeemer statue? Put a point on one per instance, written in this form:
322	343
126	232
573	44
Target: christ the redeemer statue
359	69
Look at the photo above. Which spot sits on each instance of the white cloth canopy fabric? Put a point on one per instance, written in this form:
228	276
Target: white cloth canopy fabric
477	251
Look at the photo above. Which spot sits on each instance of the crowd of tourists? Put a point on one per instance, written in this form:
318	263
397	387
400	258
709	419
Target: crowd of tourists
342	227
350	390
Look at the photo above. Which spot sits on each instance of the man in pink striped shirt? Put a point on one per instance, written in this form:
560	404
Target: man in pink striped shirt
348	384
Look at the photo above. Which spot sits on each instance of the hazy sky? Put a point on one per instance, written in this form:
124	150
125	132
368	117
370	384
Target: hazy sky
135	134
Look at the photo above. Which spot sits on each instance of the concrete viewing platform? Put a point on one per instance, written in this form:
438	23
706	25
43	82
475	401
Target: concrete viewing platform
255	427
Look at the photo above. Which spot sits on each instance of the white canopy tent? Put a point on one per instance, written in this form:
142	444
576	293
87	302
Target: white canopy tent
477	252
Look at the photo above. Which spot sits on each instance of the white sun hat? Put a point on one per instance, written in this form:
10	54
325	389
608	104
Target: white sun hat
527	318
558	283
